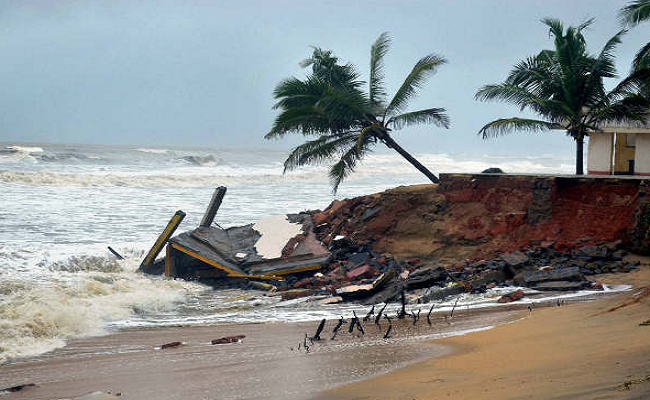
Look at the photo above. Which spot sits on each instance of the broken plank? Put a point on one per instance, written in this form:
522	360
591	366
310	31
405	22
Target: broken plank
162	239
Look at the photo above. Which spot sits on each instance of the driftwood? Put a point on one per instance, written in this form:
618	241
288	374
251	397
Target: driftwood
429	314
454	307
319	330
387	318
171	344
169	230
378	317
228	339
387	334
370	314
18	388
358	323
353	322
416	318
115	253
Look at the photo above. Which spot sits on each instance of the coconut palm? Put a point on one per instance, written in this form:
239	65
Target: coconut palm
348	122
633	14
564	87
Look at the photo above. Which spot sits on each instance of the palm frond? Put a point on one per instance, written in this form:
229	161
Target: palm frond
642	58
435	116
318	150
376	92
504	126
635	12
347	163
418	76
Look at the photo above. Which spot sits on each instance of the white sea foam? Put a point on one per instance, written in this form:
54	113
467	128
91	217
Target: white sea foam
24	149
38	316
153	151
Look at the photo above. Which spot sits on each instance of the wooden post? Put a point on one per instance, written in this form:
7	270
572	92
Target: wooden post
213	207
162	239
170	263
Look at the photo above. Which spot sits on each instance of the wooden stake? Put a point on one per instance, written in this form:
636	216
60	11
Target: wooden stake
162	239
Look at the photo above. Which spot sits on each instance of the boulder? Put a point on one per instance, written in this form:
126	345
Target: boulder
383	279
488	277
531	278
425	277
319	218
515	259
438	293
591	252
296	294
514	296
560	285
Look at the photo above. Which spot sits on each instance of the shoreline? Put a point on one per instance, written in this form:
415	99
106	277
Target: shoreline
579	351
264	365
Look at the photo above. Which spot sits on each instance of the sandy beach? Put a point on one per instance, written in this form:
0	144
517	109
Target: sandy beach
578	351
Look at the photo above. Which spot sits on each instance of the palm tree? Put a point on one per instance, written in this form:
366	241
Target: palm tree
564	86
348	122
633	14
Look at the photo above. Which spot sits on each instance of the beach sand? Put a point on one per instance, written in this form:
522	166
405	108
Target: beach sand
266	365
568	352
578	351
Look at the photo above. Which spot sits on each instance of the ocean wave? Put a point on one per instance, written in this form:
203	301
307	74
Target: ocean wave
153	151
139	180
209	160
37	317
24	149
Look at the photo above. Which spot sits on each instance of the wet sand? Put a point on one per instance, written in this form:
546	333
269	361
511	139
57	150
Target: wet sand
266	365
578	351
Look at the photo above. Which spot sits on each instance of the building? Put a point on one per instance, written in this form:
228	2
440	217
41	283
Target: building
619	150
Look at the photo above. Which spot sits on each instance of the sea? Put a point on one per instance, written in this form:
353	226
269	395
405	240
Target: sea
61	205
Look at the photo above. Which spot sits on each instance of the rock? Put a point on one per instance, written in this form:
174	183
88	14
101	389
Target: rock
358	258
491	285
487	277
436	293
370	212
362	271
514	296
592	252
515	260
17	388
596	286
319	218
413	261
228	339
529	278
296	294
560	285
171	344
425	277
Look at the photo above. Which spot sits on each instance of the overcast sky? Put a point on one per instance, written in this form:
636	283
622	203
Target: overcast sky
194	73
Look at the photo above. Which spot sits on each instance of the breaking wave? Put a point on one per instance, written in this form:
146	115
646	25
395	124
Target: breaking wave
153	151
201	160
84	296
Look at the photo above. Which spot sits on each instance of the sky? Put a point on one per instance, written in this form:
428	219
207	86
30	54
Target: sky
202	73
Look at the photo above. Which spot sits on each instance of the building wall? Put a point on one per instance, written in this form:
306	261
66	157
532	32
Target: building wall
622	154
599	153
642	155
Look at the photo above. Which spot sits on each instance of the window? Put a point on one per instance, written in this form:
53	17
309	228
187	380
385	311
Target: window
630	139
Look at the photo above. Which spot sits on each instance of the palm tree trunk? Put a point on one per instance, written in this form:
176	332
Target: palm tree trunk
388	141
580	144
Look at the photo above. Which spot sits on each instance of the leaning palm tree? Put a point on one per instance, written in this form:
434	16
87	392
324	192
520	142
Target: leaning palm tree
564	87
348	122
633	14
